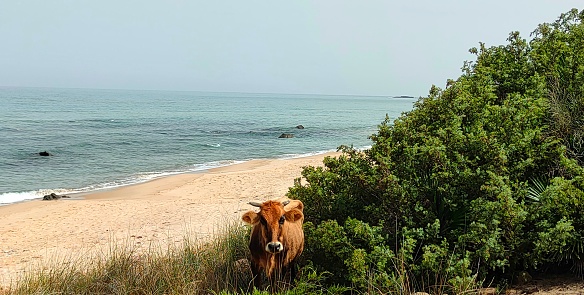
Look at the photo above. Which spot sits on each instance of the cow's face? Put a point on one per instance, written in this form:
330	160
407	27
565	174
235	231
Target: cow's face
272	219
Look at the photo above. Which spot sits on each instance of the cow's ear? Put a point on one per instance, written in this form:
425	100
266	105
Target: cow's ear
300	206
294	215
294	204
250	217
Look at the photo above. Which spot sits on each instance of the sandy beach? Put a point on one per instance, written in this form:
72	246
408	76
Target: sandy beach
158	212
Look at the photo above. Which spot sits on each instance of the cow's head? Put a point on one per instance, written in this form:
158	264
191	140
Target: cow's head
272	220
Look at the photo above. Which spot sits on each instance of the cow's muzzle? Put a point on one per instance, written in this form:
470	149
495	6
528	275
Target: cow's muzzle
274	247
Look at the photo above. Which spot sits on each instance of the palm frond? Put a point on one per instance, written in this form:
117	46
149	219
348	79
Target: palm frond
536	188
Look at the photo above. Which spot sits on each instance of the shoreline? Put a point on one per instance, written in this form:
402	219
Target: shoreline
161	211
237	166
77	193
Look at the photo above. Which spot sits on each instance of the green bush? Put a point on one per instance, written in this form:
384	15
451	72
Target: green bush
476	182
558	53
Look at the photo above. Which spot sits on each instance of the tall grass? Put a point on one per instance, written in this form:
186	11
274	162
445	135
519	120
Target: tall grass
196	266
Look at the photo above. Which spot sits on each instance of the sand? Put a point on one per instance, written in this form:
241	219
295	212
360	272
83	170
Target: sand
160	212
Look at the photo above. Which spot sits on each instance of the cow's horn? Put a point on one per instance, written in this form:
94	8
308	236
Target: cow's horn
255	204
286	202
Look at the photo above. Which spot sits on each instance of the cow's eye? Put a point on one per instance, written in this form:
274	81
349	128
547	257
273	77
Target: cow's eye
282	219
263	221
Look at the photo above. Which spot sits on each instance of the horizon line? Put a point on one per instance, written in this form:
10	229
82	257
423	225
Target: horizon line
206	91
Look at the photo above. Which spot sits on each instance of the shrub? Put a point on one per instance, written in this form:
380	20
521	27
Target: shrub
447	189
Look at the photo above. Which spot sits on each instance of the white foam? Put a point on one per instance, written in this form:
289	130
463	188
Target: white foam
11	198
15	197
296	156
214	164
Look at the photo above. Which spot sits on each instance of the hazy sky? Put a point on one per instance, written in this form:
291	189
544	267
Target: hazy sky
315	46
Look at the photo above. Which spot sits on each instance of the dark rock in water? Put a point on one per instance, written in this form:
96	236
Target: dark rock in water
53	196
44	154
286	135
299	127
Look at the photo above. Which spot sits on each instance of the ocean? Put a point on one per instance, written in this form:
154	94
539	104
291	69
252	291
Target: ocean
100	139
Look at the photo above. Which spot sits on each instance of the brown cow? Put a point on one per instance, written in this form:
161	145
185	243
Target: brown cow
277	238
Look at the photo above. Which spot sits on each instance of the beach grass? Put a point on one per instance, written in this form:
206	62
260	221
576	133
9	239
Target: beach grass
196	266
218	265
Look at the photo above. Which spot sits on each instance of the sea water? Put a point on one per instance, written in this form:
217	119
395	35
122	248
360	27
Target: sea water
101	139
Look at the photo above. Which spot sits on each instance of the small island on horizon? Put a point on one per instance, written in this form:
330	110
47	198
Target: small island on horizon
403	96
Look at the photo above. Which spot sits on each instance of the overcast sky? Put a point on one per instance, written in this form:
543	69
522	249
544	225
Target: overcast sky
314	46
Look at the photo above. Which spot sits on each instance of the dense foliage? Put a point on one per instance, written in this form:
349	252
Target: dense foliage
479	181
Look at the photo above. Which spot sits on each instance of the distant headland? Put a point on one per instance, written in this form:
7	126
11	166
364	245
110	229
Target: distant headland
403	96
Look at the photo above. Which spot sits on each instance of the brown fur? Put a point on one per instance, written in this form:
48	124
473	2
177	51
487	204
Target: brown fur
290	234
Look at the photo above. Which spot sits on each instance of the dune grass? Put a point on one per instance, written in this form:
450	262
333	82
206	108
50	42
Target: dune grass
196	266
